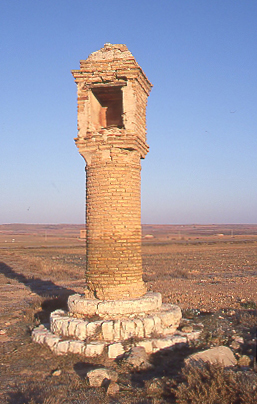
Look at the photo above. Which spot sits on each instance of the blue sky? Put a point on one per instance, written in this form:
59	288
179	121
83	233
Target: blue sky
201	117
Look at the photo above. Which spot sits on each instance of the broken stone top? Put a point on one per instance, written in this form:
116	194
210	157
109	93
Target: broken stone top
110	64
111	52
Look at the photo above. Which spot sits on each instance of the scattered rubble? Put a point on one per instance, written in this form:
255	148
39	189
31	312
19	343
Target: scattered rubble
137	358
244	361
113	389
221	354
101	377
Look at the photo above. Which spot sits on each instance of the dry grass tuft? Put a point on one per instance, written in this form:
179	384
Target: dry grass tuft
212	384
181	273
32	394
249	305
246	318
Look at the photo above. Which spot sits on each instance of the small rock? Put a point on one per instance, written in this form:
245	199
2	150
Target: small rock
112	389
191	313
220	354
238	339
2	332
187	329
137	358
244	360
98	377
56	372
235	345
155	387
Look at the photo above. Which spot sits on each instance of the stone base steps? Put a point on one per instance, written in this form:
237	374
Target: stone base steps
92	327
61	345
162	322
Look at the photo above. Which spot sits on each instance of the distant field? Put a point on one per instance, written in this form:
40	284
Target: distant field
24	235
208	266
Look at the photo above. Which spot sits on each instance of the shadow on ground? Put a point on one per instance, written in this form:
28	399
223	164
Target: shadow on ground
36	285
82	368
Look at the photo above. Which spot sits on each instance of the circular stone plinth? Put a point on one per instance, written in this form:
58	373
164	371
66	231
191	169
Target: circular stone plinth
78	304
162	322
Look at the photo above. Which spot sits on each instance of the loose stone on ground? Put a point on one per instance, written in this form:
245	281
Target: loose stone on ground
137	358
221	354
101	377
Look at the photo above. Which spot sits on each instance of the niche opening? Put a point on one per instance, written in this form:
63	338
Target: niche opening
106	107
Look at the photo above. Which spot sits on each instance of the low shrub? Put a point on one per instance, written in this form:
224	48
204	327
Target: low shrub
212	384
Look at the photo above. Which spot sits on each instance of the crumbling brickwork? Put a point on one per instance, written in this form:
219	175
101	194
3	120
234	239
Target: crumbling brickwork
112	98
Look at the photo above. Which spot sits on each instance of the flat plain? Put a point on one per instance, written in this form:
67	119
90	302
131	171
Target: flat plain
210	271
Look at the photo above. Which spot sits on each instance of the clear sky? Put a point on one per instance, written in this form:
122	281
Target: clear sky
200	55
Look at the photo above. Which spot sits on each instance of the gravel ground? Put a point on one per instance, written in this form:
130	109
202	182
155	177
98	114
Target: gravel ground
214	284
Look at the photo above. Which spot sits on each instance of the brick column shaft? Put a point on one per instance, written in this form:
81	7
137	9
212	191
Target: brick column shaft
113	222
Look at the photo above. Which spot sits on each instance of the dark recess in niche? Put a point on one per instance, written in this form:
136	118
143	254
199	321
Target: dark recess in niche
110	99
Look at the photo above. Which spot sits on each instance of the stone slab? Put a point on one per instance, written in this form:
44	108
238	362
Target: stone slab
94	349
220	354
77	347
169	314
149	302
62	347
78	304
108	330
147	344
115	350
51	340
81	330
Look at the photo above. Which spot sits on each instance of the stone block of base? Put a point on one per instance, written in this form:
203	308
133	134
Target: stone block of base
115	350
79	304
94	349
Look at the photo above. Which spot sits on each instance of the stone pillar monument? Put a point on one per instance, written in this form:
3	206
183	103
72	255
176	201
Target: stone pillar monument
115	312
112	98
